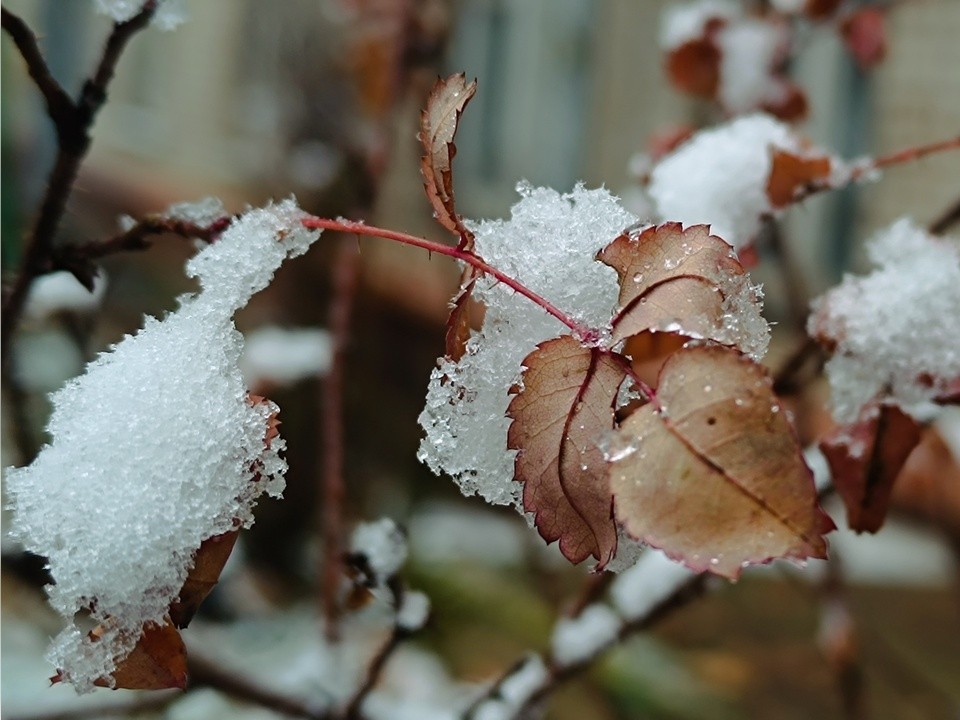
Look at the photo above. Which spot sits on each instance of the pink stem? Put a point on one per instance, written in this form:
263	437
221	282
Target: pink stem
583	333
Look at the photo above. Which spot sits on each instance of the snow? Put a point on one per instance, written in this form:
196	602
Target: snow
576	640
683	22
414	611
719	177
154	449
896	329
201	212
549	245
283	356
652	580
170	14
749	49
524	681
383	544
59	292
788	6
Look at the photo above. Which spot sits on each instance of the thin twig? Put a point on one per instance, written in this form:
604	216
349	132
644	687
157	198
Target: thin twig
73	122
946	220
346	269
838	641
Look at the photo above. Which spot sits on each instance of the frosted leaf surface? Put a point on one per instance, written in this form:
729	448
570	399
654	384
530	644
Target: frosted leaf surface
60	291
154	449
719	177
895	329
284	356
652	580
683	22
170	14
202	212
383	544
549	245
578	639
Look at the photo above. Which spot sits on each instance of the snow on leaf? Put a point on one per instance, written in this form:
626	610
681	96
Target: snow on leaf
157	662
685	282
560	416
712	473
438	126
791	173
866	458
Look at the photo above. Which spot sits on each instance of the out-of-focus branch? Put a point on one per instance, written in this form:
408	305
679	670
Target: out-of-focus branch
946	220
838	642
141	704
789	377
73	122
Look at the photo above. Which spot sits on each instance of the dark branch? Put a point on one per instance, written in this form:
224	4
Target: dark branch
949	218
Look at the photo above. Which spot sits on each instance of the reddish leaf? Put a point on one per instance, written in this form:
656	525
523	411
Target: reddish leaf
649	350
789	102
458	322
865	35
865	459
671	280
694	67
208	563
560	416
951	395
158	661
438	126
790	174
821	9
928	487
712	472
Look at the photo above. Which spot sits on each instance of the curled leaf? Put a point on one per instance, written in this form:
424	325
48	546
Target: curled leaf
560	416
208	563
791	174
438	126
866	458
458	322
712	472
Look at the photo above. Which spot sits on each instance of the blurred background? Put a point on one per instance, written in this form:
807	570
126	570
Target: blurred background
320	98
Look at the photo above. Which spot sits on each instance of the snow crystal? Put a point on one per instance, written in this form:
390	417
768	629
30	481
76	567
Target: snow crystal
549	245
652	580
749	50
719	177
414	611
201	212
154	449
683	22
578	639
281	356
383	544
896	329
60	291
170	14
523	682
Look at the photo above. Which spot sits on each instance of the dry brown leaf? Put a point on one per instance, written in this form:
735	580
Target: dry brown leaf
158	662
670	280
458	322
438	126
790	174
789	103
821	9
649	350
560	416
208	563
928	488
694	67
866	458
714	475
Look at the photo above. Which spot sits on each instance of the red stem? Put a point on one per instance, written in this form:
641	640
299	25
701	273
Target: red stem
582	332
915	153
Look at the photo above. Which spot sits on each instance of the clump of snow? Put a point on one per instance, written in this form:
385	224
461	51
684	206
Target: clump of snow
59	292
895	329
154	449
414	611
683	22
283	356
750	50
383	544
170	14
549	245
719	177
652	580
578	639
200	212
520	685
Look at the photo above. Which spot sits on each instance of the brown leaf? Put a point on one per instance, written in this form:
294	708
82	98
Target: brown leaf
864	33
821	9
649	350
712	472
789	103
208	563
928	487
670	280
560	416
790	174
158	661
694	67
458	322
865	459
438	126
